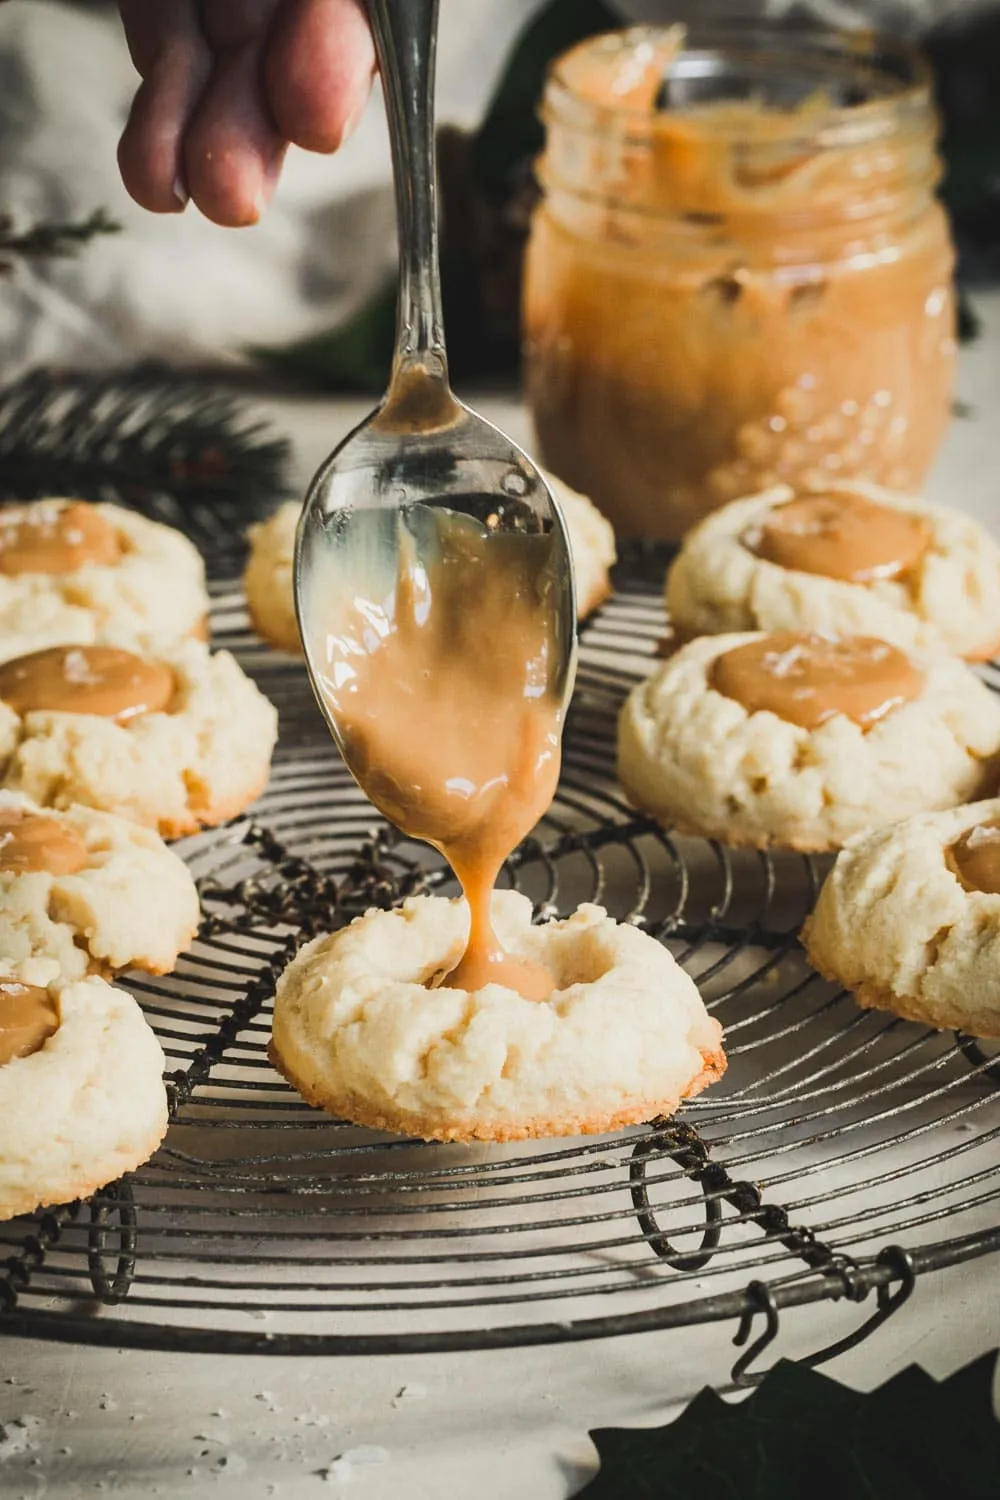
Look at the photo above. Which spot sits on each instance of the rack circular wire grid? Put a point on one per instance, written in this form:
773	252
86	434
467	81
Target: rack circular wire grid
844	1154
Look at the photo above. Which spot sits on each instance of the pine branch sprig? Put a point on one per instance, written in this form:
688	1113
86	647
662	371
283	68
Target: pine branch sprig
50	241
176	448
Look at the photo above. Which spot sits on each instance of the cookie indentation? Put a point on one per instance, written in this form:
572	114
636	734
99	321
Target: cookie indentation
808	679
841	536
55	537
100	680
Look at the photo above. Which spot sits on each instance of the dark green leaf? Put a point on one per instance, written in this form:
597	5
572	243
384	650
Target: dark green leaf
803	1436
511	130
969	325
355	356
964	51
483	341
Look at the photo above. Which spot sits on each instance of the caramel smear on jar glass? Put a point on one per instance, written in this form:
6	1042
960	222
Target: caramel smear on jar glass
975	858
808	679
840	536
56	537
101	680
30	842
28	1017
739	272
441	688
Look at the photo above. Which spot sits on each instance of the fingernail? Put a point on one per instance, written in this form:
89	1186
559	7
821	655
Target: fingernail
352	122
262	198
268	182
181	193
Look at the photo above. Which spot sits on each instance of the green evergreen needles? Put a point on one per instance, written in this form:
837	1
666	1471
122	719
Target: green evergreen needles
175	448
49	241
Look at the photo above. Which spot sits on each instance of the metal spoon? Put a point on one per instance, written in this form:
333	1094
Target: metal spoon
422	455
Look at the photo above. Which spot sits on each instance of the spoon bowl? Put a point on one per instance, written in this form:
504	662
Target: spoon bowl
375	501
423	469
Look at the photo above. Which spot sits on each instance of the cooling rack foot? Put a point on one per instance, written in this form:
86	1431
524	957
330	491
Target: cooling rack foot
889	1300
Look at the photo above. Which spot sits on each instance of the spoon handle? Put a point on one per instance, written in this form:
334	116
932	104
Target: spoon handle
406	44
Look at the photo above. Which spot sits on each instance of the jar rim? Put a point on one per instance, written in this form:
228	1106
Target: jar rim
889	77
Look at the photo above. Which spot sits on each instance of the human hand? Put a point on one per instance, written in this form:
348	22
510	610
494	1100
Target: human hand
226	85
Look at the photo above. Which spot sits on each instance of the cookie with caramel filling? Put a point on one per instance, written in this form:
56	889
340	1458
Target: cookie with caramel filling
909	919
170	736
71	573
82	1098
93	891
851	559
799	741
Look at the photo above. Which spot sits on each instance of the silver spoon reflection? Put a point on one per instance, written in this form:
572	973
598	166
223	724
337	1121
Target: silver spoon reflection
432	570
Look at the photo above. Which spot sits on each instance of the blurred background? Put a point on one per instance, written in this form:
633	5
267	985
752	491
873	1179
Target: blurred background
306	295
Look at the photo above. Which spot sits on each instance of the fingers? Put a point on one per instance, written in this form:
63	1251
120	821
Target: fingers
200	124
232	149
169	50
318	70
226	85
236	23
149	29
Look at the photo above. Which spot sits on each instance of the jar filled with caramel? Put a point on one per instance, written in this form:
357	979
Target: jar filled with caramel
739	272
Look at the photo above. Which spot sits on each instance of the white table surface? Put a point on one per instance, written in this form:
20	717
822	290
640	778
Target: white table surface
509	1425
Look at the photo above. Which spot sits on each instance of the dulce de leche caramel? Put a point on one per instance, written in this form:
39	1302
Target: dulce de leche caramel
102	680
739	273
28	1017
441	695
975	858
30	842
808	679
55	536
840	536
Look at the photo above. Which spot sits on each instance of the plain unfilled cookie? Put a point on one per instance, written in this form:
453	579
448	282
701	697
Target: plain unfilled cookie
267	579
201	762
154	589
950	599
700	763
268	576
131	904
88	1106
591	545
896	925
625	1036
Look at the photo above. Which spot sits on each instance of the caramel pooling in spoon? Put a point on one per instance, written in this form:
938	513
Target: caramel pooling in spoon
442	696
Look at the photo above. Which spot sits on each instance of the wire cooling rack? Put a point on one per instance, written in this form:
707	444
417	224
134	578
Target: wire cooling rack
844	1155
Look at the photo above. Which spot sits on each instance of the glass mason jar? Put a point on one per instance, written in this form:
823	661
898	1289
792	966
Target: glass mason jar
739	272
